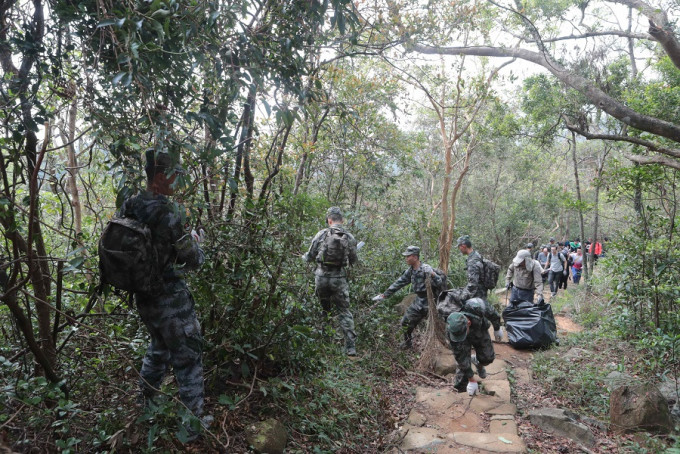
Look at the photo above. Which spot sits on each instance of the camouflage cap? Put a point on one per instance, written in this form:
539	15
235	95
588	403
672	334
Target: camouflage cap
333	211
457	327
465	239
162	161
530	245
552	239
411	250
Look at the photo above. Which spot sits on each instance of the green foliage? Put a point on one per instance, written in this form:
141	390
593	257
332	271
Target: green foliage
646	279
583	389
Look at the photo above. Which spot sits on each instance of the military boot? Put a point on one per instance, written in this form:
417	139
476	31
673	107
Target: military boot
460	382
407	344
350	343
481	370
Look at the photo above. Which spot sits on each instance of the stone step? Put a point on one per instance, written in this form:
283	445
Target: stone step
503	424
490	442
501	388
420	438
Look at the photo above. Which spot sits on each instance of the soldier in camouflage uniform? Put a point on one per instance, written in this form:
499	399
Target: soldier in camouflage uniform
469	329
169	315
416	275
475	268
332	287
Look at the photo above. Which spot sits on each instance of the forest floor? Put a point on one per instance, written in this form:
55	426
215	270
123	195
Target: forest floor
431	417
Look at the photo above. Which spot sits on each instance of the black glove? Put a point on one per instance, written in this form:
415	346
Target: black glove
509	286
541	300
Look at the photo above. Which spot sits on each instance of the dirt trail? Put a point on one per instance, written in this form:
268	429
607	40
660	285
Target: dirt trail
444	421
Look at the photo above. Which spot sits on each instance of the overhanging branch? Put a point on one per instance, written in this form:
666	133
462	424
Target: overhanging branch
596	96
663	160
619	138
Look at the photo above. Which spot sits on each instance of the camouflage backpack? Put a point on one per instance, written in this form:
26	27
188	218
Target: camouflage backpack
127	258
490	273
334	250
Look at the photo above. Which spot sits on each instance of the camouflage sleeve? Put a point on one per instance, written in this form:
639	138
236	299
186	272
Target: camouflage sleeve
491	315
310	255
403	281
474	274
436	279
189	255
352	256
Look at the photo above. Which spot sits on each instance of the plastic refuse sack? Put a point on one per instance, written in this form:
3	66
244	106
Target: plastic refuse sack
529	325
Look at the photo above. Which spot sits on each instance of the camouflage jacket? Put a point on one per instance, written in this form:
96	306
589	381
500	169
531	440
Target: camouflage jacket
322	270
177	251
481	314
417	279
473	289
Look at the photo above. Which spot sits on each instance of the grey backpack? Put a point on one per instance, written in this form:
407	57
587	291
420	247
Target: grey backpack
127	258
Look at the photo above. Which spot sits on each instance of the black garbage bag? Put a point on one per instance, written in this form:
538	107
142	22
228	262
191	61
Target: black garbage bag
530	325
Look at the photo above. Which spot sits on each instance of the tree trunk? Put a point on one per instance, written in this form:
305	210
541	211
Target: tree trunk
248	177
73	165
580	207
238	161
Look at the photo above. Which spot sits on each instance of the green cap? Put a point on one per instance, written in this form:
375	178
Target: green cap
333	211
411	250
457	326
465	239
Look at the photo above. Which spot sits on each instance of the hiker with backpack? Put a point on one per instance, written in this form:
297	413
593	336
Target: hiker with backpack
167	309
524	277
577	265
333	249
468	329
416	275
556	265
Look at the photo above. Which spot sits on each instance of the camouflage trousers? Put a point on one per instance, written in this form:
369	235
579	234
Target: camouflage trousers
175	341
481	342
333	293
414	314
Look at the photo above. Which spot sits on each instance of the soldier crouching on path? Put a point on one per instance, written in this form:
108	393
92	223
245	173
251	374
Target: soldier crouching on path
524	277
169	314
416	274
333	249
469	329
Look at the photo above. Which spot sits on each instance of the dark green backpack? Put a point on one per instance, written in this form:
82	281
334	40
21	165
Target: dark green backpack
490	272
127	258
334	250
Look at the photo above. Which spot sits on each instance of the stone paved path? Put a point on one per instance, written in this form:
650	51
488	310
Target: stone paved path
444	421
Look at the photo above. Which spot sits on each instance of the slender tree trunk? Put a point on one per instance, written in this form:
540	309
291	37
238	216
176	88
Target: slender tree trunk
309	147
238	162
73	165
586	278
209	186
631	45
248	177
264	192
